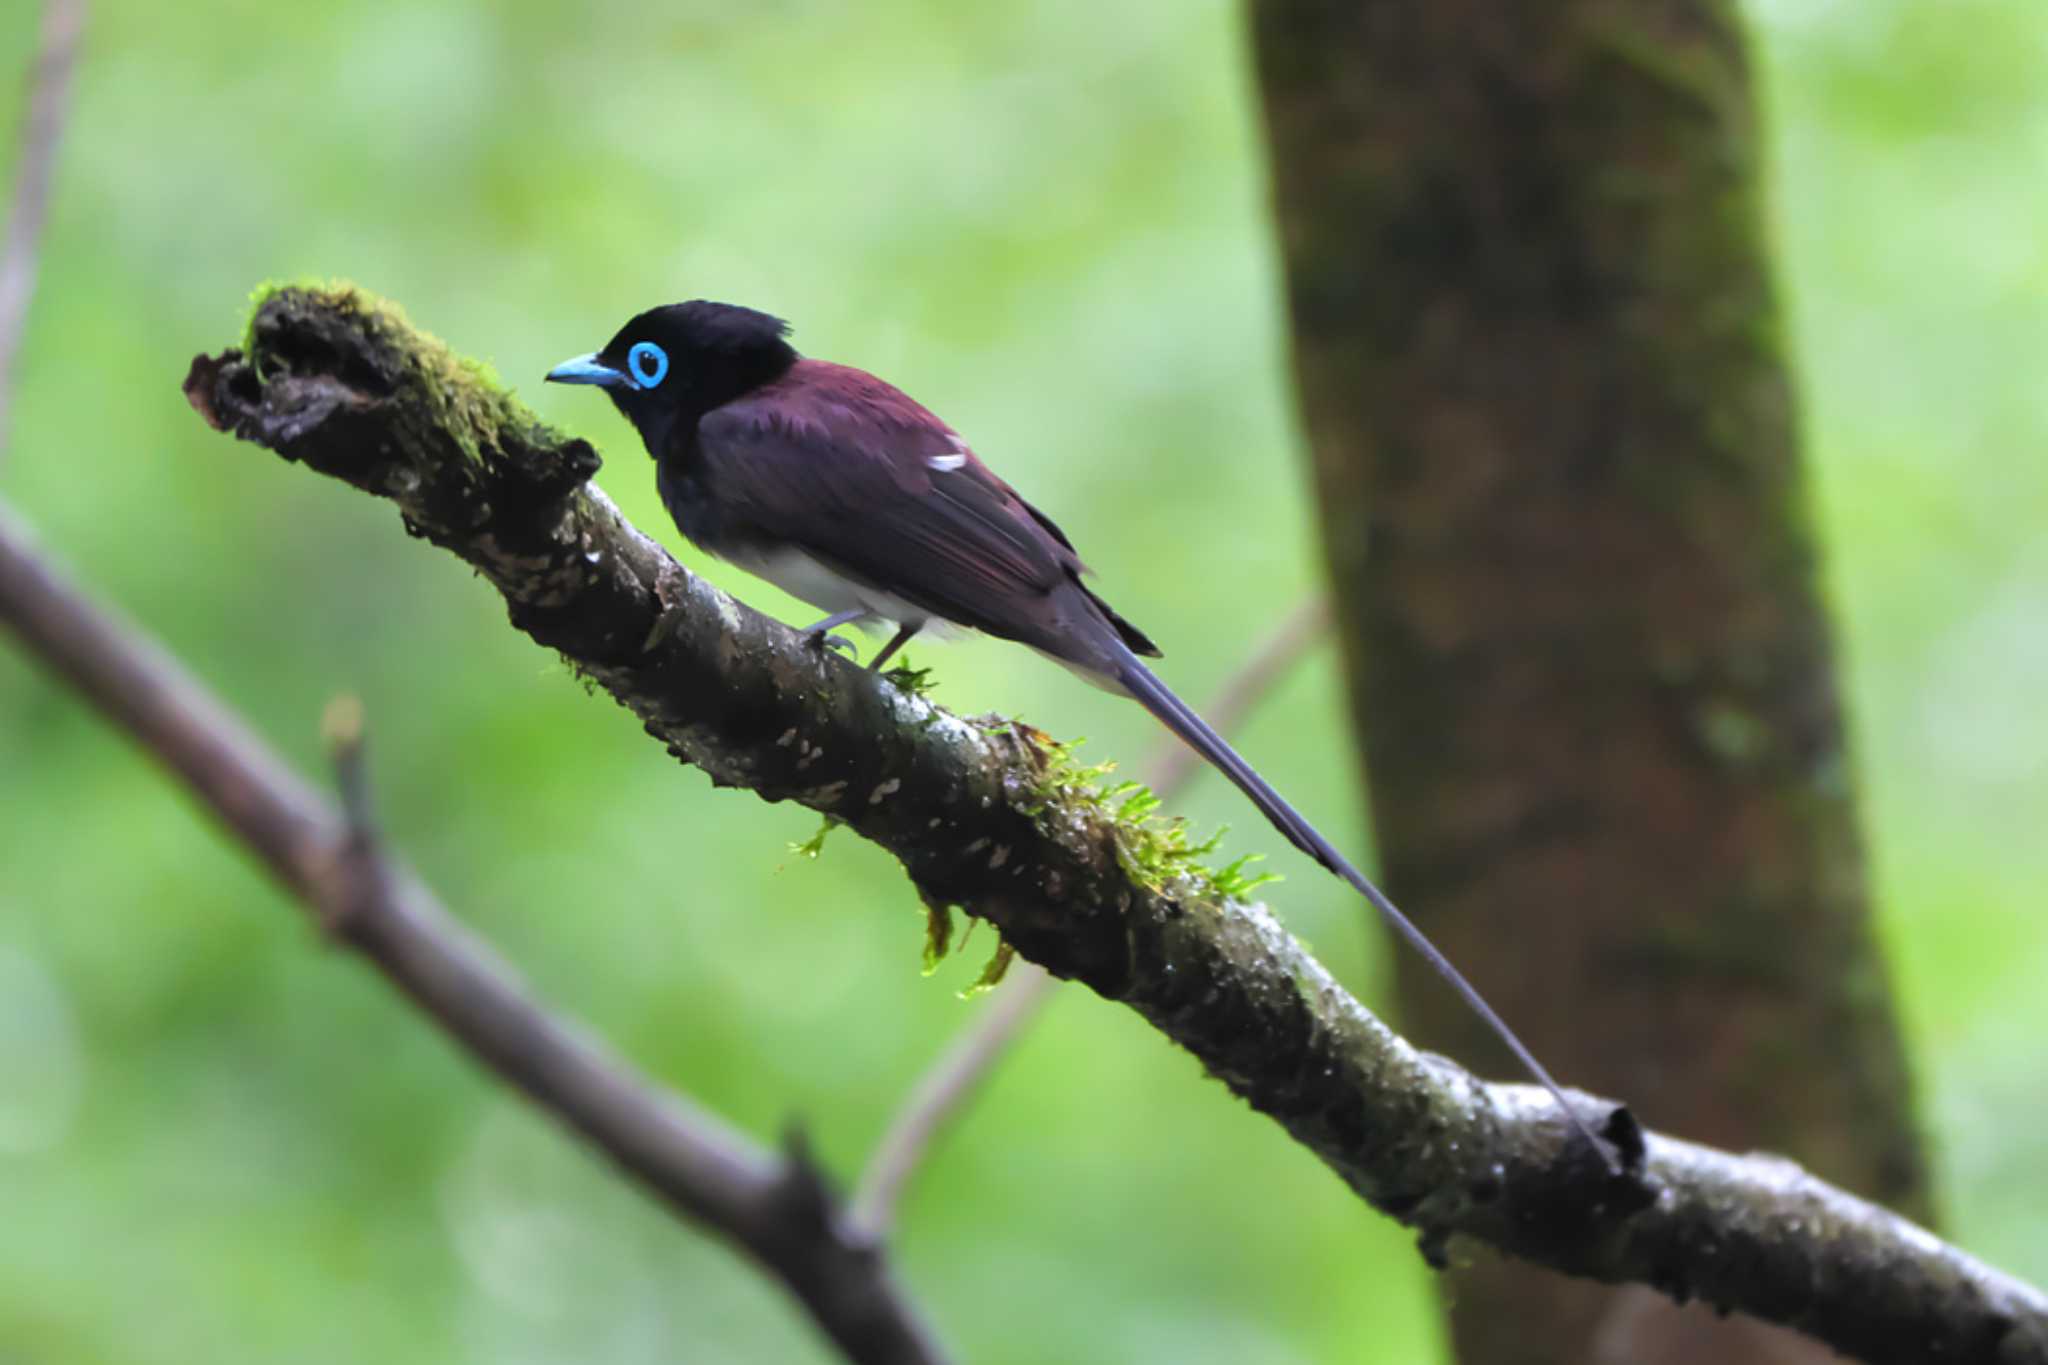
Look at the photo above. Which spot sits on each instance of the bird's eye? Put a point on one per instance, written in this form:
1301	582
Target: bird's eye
648	362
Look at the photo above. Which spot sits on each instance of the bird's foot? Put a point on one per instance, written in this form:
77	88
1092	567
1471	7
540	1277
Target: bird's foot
822	640
820	637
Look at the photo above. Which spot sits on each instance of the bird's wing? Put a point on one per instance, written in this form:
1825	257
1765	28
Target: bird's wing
864	479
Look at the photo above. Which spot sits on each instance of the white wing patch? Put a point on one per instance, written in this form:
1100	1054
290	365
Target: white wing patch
946	464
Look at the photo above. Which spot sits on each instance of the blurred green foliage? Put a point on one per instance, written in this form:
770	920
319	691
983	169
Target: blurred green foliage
220	1142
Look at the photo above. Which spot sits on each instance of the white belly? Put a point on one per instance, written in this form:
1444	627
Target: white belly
804	578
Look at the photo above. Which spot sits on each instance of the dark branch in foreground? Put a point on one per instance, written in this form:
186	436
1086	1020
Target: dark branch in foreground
776	1209
978	819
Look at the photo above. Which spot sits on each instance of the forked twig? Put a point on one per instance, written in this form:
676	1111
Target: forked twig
773	1206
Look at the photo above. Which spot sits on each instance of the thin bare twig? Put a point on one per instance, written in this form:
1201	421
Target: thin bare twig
775	1208
944	1090
938	1095
49	98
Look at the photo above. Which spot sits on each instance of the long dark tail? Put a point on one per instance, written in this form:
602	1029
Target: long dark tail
1178	717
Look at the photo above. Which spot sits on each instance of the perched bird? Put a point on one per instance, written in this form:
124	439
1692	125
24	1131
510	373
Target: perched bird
843	491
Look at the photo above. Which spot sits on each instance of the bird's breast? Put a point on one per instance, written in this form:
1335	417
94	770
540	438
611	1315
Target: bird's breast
696	511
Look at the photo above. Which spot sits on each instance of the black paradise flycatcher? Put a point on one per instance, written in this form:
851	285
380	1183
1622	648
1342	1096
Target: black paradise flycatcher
845	492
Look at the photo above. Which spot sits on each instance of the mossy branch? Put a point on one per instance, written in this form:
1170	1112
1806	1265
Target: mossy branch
338	381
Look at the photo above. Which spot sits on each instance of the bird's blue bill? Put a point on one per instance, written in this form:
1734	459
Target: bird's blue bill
588	369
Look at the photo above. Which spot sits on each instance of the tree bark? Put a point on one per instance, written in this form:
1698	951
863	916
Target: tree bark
1566	525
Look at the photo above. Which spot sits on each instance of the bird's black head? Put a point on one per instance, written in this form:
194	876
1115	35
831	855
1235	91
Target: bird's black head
673	364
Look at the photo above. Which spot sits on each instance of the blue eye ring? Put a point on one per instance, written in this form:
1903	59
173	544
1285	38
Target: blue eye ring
647	363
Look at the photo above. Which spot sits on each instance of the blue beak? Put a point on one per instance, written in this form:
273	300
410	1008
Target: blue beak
588	369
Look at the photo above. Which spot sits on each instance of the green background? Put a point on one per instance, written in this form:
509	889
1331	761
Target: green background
219	1141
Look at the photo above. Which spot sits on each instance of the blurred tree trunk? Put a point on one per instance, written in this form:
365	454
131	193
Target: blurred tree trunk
1554	440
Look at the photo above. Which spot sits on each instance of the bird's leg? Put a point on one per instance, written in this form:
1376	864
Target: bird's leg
820	636
904	635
